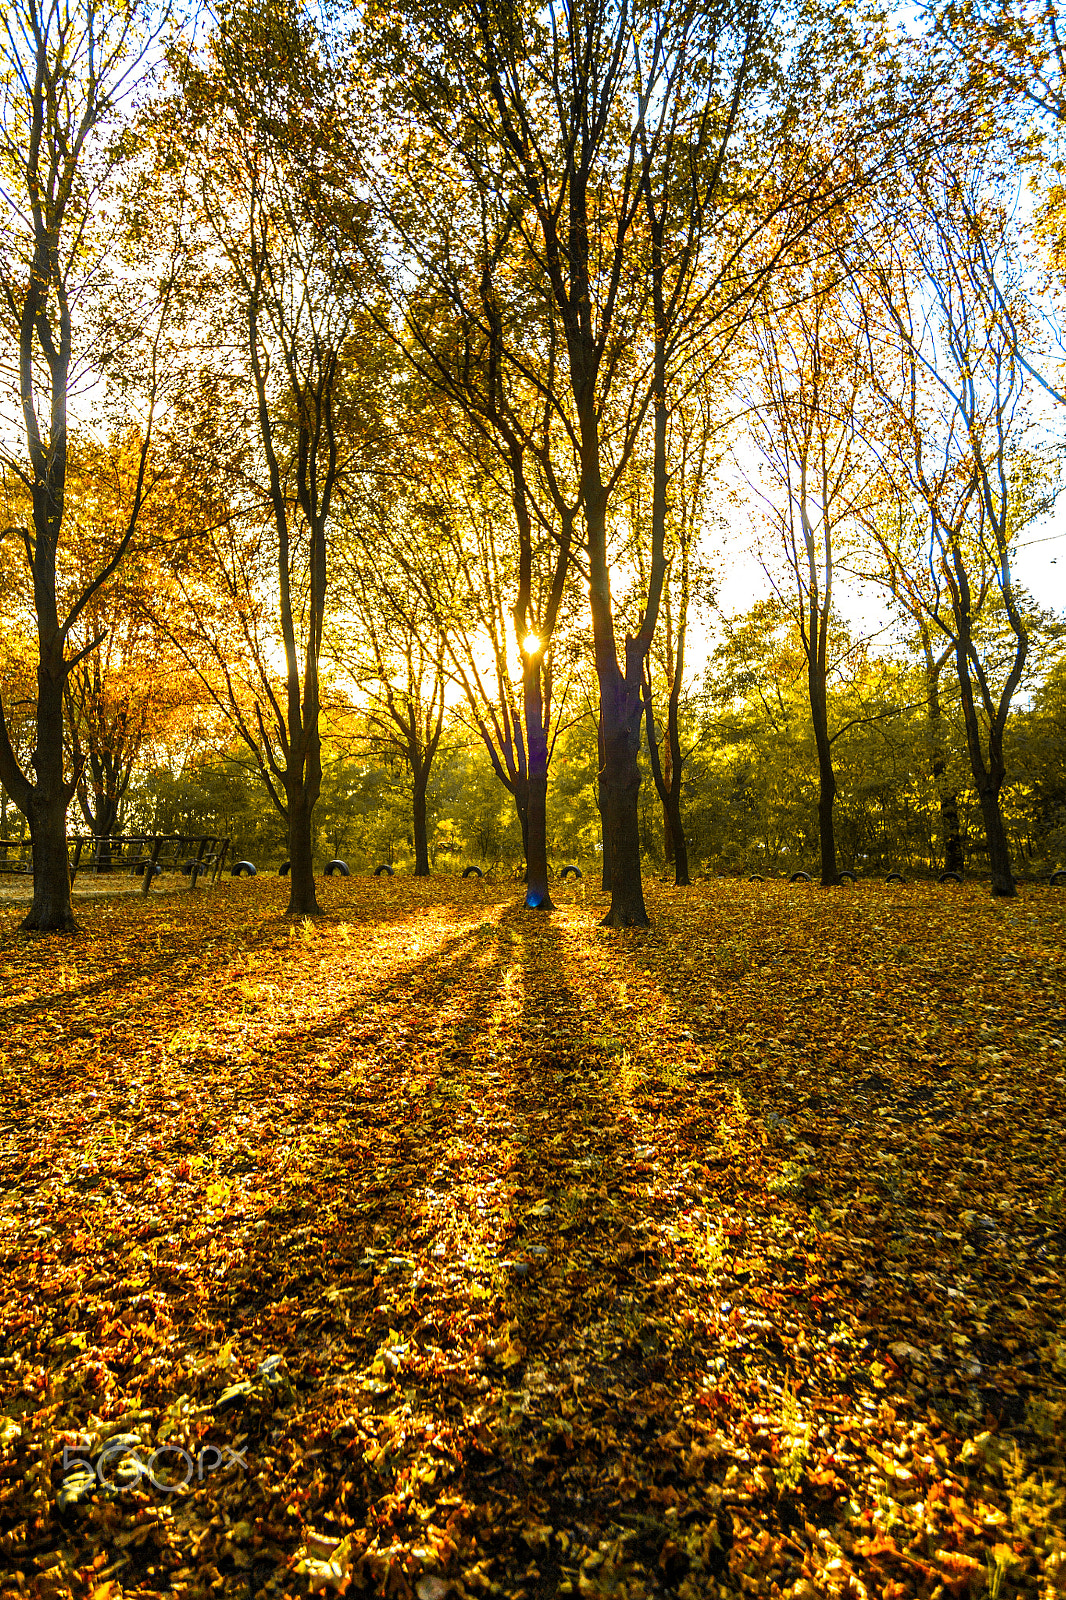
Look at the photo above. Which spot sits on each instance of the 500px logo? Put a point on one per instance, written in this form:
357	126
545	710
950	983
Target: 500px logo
169	1468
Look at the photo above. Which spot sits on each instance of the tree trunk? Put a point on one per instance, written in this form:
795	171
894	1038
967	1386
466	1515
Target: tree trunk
537	892
999	856
668	824
51	909
601	807
621	692
421	837
621	713
47	809
605	839
669	793
988	780
996	835
827	783
303	901
102	826
621	789
673	784
827	788
950	832
672	809
950	829
538	897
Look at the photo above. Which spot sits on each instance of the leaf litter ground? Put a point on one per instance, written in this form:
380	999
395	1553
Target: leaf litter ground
463	1251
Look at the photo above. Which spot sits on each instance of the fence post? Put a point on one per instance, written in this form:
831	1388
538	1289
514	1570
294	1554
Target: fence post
221	860
149	871
195	873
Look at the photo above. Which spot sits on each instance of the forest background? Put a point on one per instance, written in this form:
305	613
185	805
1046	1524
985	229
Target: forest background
345	364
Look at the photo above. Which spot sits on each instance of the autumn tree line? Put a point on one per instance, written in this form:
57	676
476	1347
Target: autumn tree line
380	389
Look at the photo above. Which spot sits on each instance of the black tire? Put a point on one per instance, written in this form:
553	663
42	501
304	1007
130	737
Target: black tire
571	872
800	877
950	877
756	877
847	876
895	877
385	869
337	866
1058	878
242	869
473	872
284	869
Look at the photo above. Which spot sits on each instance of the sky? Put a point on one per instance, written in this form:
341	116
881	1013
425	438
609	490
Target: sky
1040	567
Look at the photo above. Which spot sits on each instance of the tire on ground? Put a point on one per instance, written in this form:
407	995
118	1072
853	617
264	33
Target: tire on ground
337	866
242	869
571	871
847	876
389	872
800	877
950	877
473	872
895	877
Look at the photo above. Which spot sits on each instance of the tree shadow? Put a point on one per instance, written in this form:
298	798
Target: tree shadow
587	1295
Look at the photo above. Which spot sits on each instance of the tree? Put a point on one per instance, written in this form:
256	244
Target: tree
807	423
1011	45
481	592
758	763
112	708
474	357
953	430
399	665
647	156
886	525
121	695
264	127
1042	735
686	509
68	69
1007	60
